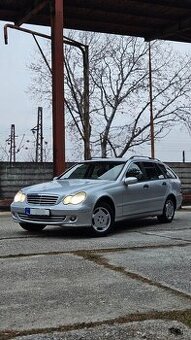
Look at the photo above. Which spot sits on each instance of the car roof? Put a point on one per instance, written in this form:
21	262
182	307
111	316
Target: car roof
121	159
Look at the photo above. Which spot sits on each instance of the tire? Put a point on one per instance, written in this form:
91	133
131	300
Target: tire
102	219
168	211
32	227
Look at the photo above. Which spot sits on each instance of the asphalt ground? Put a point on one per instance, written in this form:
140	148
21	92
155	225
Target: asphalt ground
64	284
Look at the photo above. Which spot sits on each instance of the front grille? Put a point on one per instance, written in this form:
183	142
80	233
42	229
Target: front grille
44	219
42	199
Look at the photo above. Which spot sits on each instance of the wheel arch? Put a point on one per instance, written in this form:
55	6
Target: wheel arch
109	201
172	196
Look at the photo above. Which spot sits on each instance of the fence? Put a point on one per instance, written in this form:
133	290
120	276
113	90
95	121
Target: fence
17	175
14	176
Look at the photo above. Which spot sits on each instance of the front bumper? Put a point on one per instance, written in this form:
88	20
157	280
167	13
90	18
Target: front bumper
62	215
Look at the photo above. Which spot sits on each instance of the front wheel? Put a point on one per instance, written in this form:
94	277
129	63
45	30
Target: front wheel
168	211
32	227
102	219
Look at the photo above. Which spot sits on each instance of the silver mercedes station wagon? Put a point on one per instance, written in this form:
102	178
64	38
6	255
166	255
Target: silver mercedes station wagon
97	193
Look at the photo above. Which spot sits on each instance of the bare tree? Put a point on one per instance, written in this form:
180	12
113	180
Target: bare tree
123	93
119	91
4	153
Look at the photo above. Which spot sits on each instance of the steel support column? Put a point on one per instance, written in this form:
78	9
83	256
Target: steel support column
58	87
152	135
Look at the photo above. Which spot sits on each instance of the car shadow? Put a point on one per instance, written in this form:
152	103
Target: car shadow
136	224
84	233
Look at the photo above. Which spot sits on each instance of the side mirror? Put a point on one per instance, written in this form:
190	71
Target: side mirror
130	180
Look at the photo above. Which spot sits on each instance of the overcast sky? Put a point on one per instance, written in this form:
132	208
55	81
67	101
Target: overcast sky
16	106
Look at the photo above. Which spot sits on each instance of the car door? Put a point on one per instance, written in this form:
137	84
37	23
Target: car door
156	186
148	194
134	203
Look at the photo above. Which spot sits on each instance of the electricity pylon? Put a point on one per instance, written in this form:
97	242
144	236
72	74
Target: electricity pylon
38	134
11	142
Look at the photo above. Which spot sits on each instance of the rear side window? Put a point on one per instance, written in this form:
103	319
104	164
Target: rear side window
152	171
169	173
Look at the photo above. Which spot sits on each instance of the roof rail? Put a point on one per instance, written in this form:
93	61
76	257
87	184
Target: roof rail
140	156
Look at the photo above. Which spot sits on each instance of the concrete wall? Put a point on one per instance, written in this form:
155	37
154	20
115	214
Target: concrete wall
17	175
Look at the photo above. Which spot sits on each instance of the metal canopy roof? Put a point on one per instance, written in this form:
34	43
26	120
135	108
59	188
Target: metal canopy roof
150	19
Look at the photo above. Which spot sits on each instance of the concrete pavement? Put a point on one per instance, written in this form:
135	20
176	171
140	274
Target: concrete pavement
62	284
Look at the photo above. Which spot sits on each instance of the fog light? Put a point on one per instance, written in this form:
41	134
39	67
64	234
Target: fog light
72	218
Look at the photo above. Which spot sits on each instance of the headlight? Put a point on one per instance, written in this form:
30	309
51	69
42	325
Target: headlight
75	199
19	197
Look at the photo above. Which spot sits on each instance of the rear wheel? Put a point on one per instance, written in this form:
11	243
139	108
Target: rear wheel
102	219
32	227
168	211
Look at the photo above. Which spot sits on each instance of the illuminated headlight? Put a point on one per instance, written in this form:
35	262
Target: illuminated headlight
19	197
75	199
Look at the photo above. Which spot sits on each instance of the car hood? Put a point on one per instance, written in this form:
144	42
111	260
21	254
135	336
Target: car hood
64	187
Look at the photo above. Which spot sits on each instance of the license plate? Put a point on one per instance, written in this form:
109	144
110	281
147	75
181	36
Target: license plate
37	212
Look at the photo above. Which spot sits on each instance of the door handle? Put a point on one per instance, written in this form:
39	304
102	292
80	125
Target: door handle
146	186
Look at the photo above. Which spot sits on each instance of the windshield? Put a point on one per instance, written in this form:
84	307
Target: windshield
94	170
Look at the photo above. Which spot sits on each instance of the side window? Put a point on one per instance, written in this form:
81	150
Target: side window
152	171
162	168
169	173
160	172
134	170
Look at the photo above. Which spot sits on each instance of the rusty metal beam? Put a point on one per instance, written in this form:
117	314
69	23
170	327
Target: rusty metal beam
58	87
31	12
